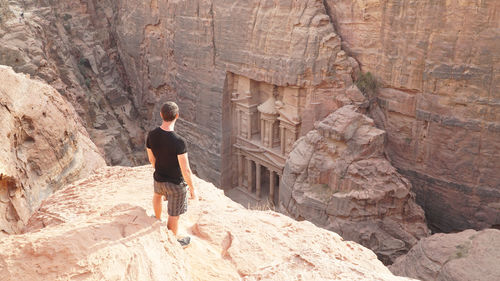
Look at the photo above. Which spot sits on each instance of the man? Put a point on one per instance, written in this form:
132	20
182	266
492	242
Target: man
168	154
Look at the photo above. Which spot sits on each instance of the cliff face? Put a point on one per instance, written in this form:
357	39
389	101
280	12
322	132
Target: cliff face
439	71
43	147
99	229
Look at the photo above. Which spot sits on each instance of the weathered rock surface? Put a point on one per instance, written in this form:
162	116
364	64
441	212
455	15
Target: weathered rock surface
337	177
468	255
43	146
98	229
69	45
439	71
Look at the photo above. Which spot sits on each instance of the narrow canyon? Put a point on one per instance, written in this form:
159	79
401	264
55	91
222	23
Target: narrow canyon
371	124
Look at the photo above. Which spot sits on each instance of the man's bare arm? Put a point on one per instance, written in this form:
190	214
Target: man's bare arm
186	172
151	157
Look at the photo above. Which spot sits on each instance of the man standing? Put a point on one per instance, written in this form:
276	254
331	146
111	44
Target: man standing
168	154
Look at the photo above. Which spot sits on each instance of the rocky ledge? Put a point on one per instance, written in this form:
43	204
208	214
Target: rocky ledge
100	229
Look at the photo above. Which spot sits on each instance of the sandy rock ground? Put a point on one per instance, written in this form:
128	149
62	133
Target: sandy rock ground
100	228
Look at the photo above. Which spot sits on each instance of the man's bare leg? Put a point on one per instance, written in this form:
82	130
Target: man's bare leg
173	224
157	205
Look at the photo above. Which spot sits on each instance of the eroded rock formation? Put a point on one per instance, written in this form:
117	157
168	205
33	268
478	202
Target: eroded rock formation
43	147
438	67
337	177
468	255
98	229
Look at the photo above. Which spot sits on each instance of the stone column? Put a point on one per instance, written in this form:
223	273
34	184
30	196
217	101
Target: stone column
258	179
272	184
262	130
249	175
240	170
282	140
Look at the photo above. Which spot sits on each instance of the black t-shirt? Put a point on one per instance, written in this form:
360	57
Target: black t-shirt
166	145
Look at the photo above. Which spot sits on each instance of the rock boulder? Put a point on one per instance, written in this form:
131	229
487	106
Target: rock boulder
337	177
468	255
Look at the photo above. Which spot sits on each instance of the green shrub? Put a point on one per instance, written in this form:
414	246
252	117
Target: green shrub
366	83
87	82
67	16
84	62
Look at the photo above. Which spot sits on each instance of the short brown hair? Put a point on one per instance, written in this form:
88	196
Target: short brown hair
169	110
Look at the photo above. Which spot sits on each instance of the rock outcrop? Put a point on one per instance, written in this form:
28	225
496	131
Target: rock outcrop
43	146
438	68
337	177
98	229
468	255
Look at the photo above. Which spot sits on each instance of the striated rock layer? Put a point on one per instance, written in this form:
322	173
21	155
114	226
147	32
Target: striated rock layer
98	229
438	67
337	177
468	255
43	146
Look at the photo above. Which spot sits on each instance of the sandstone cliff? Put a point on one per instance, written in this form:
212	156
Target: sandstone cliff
43	147
337	177
437	63
468	255
99	229
438	66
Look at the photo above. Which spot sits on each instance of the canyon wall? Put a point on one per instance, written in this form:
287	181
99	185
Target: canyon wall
438	68
68	44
